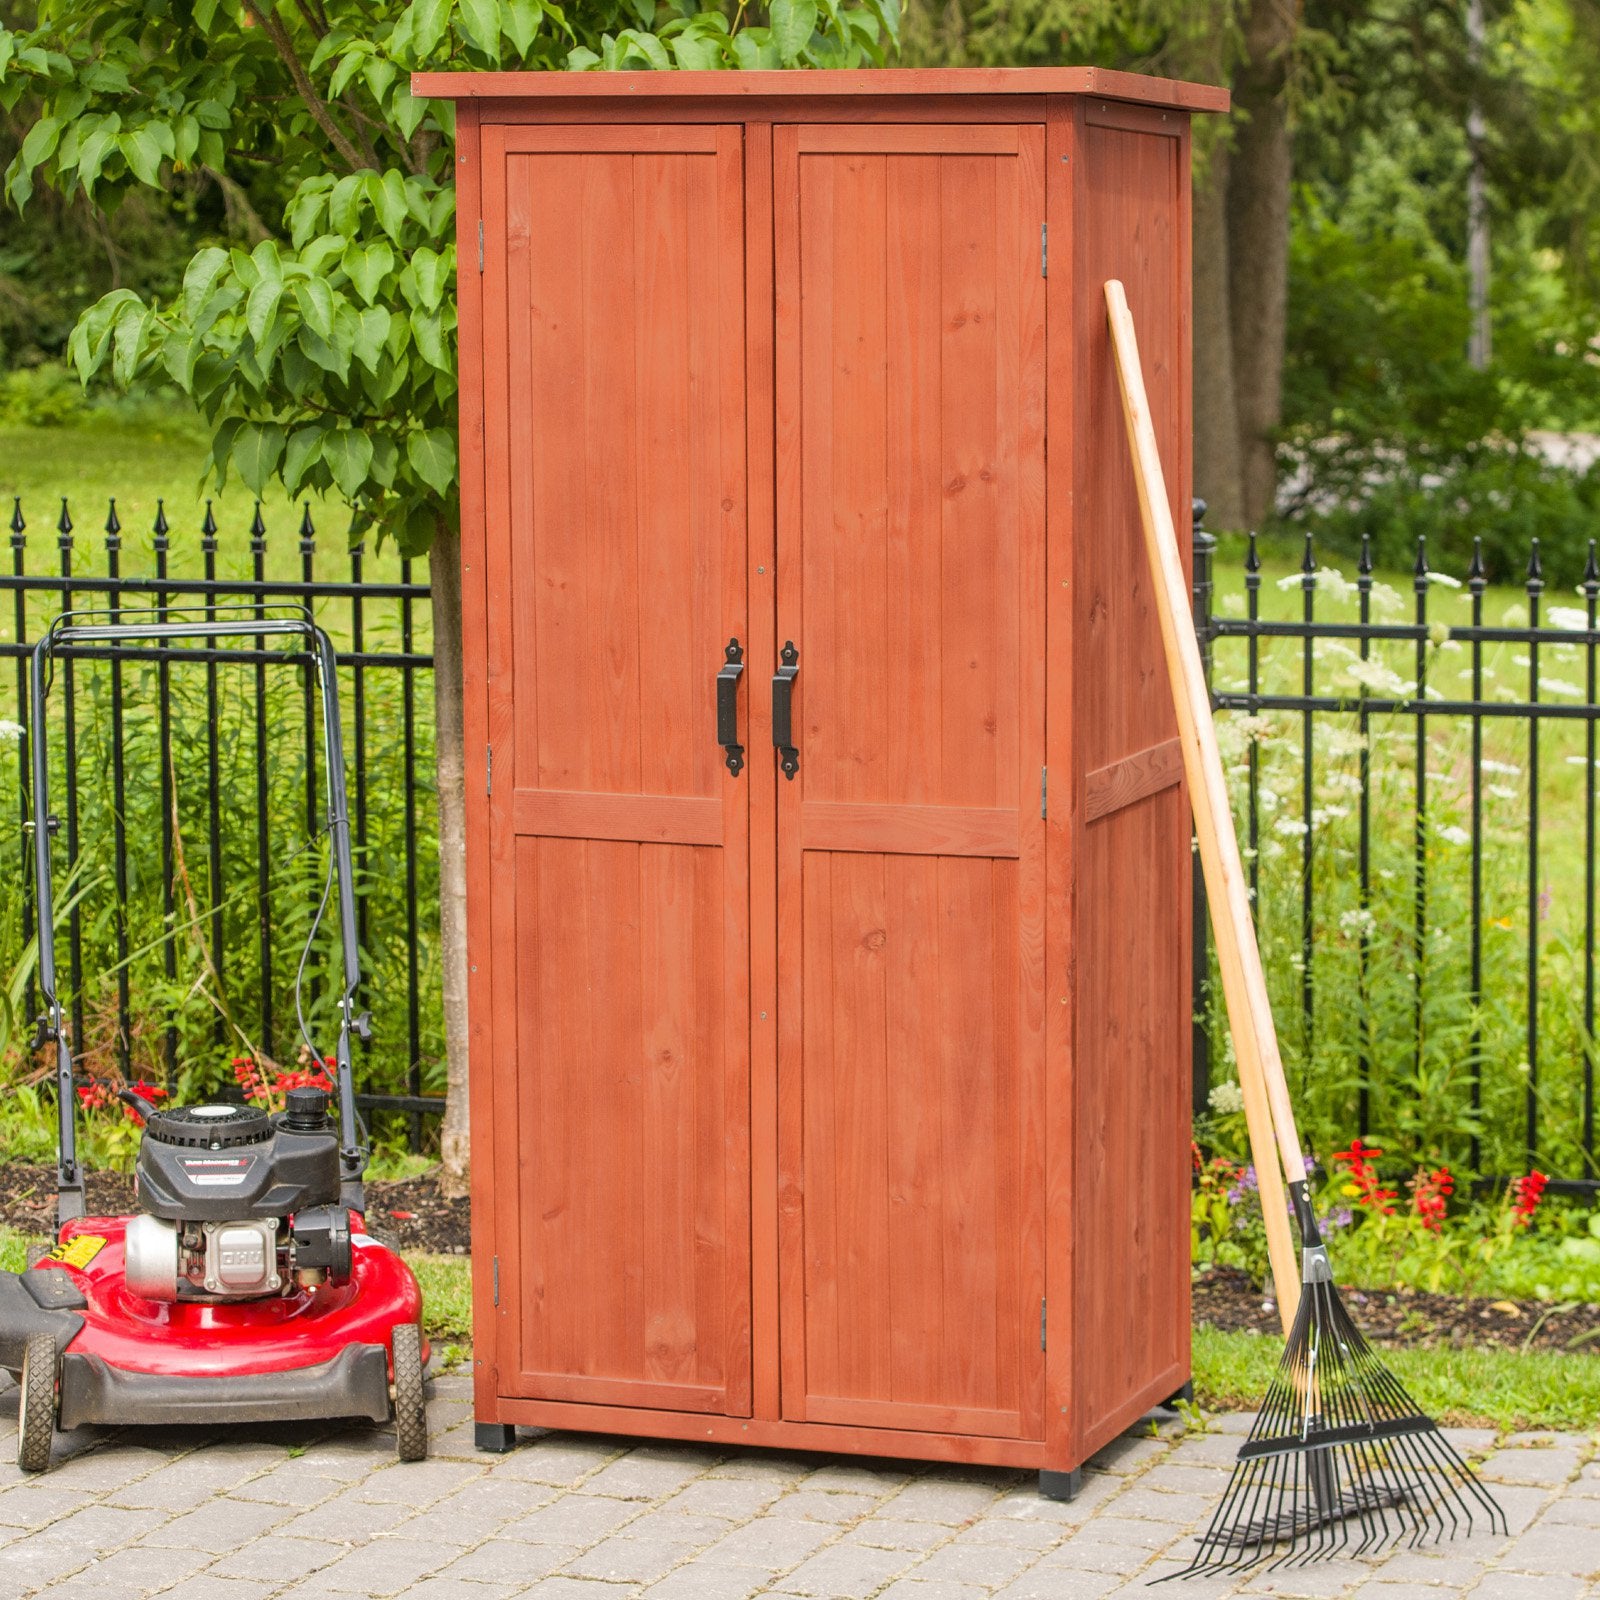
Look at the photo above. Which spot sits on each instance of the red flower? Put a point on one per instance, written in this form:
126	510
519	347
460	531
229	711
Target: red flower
1430	1192
1526	1193
1369	1191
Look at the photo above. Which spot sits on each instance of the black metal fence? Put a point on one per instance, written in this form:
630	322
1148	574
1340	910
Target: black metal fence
188	782
1417	786
1420	845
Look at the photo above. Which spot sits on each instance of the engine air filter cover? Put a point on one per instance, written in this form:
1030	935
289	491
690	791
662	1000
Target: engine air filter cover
213	1127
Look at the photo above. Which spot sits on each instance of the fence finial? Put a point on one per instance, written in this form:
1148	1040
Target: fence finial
113	526
258	530
64	525
1308	565
1477	577
208	532
1419	573
18	523
1252	560
1535	583
159	529
1591	574
1364	564
308	532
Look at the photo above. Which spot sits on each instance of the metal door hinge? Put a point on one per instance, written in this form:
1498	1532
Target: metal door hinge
480	246
1044	791
488	773
1044	250
1042	1325
497	1280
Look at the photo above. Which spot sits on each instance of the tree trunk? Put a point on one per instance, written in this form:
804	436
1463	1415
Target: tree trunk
1217	478
444	576
1259	176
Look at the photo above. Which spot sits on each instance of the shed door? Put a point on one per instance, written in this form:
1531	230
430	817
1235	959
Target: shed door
910	423
614	340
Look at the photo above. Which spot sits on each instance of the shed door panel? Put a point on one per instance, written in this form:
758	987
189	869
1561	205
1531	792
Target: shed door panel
622	1029
910	347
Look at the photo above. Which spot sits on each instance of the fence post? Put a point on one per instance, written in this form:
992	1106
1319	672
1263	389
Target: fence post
1200	974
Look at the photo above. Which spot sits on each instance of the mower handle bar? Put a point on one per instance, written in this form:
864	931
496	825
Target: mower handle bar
67	629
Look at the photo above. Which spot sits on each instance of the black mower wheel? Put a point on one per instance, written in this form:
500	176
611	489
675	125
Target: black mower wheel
410	1409
36	1414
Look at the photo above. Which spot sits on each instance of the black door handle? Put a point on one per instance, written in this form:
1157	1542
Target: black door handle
728	707
783	710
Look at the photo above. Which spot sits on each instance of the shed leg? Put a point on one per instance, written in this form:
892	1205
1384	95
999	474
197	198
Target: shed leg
1060	1485
1185	1394
497	1437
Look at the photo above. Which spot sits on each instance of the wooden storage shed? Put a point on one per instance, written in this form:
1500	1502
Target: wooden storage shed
828	856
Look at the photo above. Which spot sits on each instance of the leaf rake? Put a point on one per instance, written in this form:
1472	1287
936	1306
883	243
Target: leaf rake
1340	1461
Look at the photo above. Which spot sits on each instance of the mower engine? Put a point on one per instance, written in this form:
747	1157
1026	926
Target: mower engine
237	1204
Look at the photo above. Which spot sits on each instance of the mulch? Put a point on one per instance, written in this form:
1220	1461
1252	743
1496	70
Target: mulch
411	1214
1228	1300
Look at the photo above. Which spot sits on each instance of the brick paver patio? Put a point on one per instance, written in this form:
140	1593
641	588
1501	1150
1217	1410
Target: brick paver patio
330	1515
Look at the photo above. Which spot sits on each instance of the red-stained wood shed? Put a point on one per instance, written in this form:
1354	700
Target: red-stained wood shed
829	1089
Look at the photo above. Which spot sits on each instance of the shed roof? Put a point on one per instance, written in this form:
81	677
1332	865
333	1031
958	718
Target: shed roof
1128	86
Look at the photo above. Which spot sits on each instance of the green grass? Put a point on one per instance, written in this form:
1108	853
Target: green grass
1474	1387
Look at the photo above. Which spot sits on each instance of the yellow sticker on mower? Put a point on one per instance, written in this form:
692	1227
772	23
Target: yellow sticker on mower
79	1251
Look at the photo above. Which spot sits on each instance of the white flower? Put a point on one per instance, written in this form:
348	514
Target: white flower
1560	686
1226	1099
1322	815
1504	767
1568	617
10	732
1386	600
1431	693
1500	792
1453	835
1380	677
1445	579
1579	761
1515	615
1359	923
1291	827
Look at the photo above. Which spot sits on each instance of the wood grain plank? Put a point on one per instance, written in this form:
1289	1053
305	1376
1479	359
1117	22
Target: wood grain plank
909	830
589	814
929	139
884	83
653	138
1121	783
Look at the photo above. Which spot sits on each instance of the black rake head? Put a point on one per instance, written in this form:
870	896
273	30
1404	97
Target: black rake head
1340	1461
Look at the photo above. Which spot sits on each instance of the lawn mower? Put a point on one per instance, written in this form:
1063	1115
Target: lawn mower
246	1289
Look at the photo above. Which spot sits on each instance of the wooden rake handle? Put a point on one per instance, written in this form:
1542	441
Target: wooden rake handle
1255	1041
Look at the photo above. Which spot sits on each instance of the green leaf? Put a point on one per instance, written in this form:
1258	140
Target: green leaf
754	50
303	452
204	12
94	150
696	54
429	19
40	142
348	67
429	335
385	459
344	204
379	75
415	533
200	276
213	114
519	21
348	453
262	306
372	329
582	59
316	305
327	355
430	272
178	355
432	455
793	23
479	20
407	112
222	446
367	265
143	154
128	340
388	197
256	451
266	260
